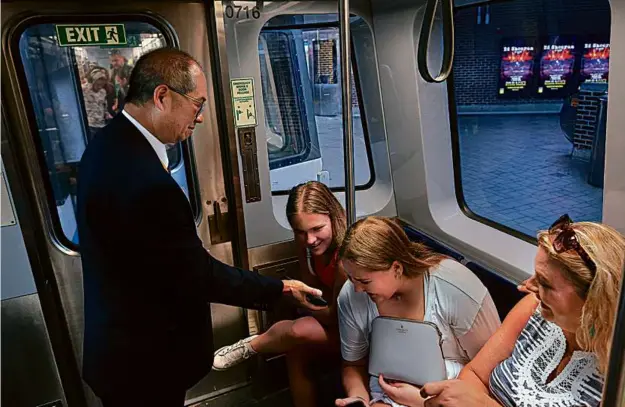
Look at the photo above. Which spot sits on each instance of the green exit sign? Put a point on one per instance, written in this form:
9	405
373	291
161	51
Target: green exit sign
90	34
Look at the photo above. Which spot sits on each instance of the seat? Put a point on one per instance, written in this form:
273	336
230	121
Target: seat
416	236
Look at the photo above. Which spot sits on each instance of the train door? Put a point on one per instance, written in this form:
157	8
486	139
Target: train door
66	69
285	112
22	311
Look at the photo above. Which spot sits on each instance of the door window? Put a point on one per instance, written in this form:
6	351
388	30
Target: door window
75	91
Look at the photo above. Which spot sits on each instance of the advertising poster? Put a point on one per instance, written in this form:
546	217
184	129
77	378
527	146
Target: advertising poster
557	67
516	74
595	62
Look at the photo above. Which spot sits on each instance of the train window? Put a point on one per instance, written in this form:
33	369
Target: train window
75	91
301	85
527	102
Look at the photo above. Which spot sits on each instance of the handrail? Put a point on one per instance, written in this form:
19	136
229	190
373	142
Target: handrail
448	40
614	387
346	88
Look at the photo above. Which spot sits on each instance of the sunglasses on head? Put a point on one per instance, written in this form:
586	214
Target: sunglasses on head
566	239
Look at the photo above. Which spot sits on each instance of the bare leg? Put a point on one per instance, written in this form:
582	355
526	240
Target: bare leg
302	387
285	335
280	338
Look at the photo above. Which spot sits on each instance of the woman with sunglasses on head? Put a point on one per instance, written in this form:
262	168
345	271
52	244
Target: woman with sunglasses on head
552	349
318	222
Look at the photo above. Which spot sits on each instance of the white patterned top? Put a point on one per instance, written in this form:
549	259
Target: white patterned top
521	380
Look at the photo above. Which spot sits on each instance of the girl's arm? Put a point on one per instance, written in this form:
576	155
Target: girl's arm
355	379
500	346
478	323
328	316
354	346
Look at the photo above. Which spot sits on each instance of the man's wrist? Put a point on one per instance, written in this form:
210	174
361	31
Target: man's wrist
287	287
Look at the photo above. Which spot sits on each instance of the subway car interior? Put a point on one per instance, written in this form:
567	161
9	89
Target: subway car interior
515	131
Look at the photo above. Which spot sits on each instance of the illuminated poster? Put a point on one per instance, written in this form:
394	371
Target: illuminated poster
595	62
517	68
557	67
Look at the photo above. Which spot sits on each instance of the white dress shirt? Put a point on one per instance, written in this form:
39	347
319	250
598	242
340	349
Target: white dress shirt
159	148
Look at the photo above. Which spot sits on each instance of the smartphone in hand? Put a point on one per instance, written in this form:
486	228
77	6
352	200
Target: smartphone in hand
313	299
318	301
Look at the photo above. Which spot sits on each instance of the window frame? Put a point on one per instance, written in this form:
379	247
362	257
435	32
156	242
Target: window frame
363	116
269	119
56	231
286	161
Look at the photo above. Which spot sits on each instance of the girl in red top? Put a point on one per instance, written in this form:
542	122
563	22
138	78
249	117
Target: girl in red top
318	222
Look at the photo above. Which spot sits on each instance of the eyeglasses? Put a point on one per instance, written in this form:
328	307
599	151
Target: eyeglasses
566	240
201	101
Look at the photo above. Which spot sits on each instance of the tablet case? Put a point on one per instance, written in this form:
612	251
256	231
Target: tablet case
406	350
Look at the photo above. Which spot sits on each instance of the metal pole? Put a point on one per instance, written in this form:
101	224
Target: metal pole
346	87
614	388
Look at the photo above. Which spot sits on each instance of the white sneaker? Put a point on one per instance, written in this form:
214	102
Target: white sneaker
232	355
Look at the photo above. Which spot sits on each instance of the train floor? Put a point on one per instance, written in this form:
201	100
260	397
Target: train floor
270	387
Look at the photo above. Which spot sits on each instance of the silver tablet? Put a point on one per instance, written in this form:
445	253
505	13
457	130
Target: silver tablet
406	350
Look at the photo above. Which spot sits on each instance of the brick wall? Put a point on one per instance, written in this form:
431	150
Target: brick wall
587	114
326	59
323	57
477	52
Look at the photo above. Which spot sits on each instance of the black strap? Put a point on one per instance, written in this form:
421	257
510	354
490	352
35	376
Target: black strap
448	40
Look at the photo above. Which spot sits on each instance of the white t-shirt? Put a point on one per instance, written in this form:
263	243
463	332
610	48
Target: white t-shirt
455	300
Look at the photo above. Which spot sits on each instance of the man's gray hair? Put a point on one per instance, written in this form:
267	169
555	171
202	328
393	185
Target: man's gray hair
164	66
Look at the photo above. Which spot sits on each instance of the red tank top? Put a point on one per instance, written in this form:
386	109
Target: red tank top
325	273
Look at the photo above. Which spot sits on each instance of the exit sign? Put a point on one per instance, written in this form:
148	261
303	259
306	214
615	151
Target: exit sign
90	34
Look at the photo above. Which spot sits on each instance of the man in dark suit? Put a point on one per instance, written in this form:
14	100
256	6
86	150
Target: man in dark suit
148	280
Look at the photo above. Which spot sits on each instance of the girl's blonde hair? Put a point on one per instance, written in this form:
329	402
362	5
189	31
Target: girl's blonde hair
374	243
316	197
600	289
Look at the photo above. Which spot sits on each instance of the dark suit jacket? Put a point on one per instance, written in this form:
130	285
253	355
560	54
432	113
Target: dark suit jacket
148	280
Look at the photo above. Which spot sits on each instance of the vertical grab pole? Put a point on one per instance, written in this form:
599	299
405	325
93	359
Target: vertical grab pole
348	139
614	387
